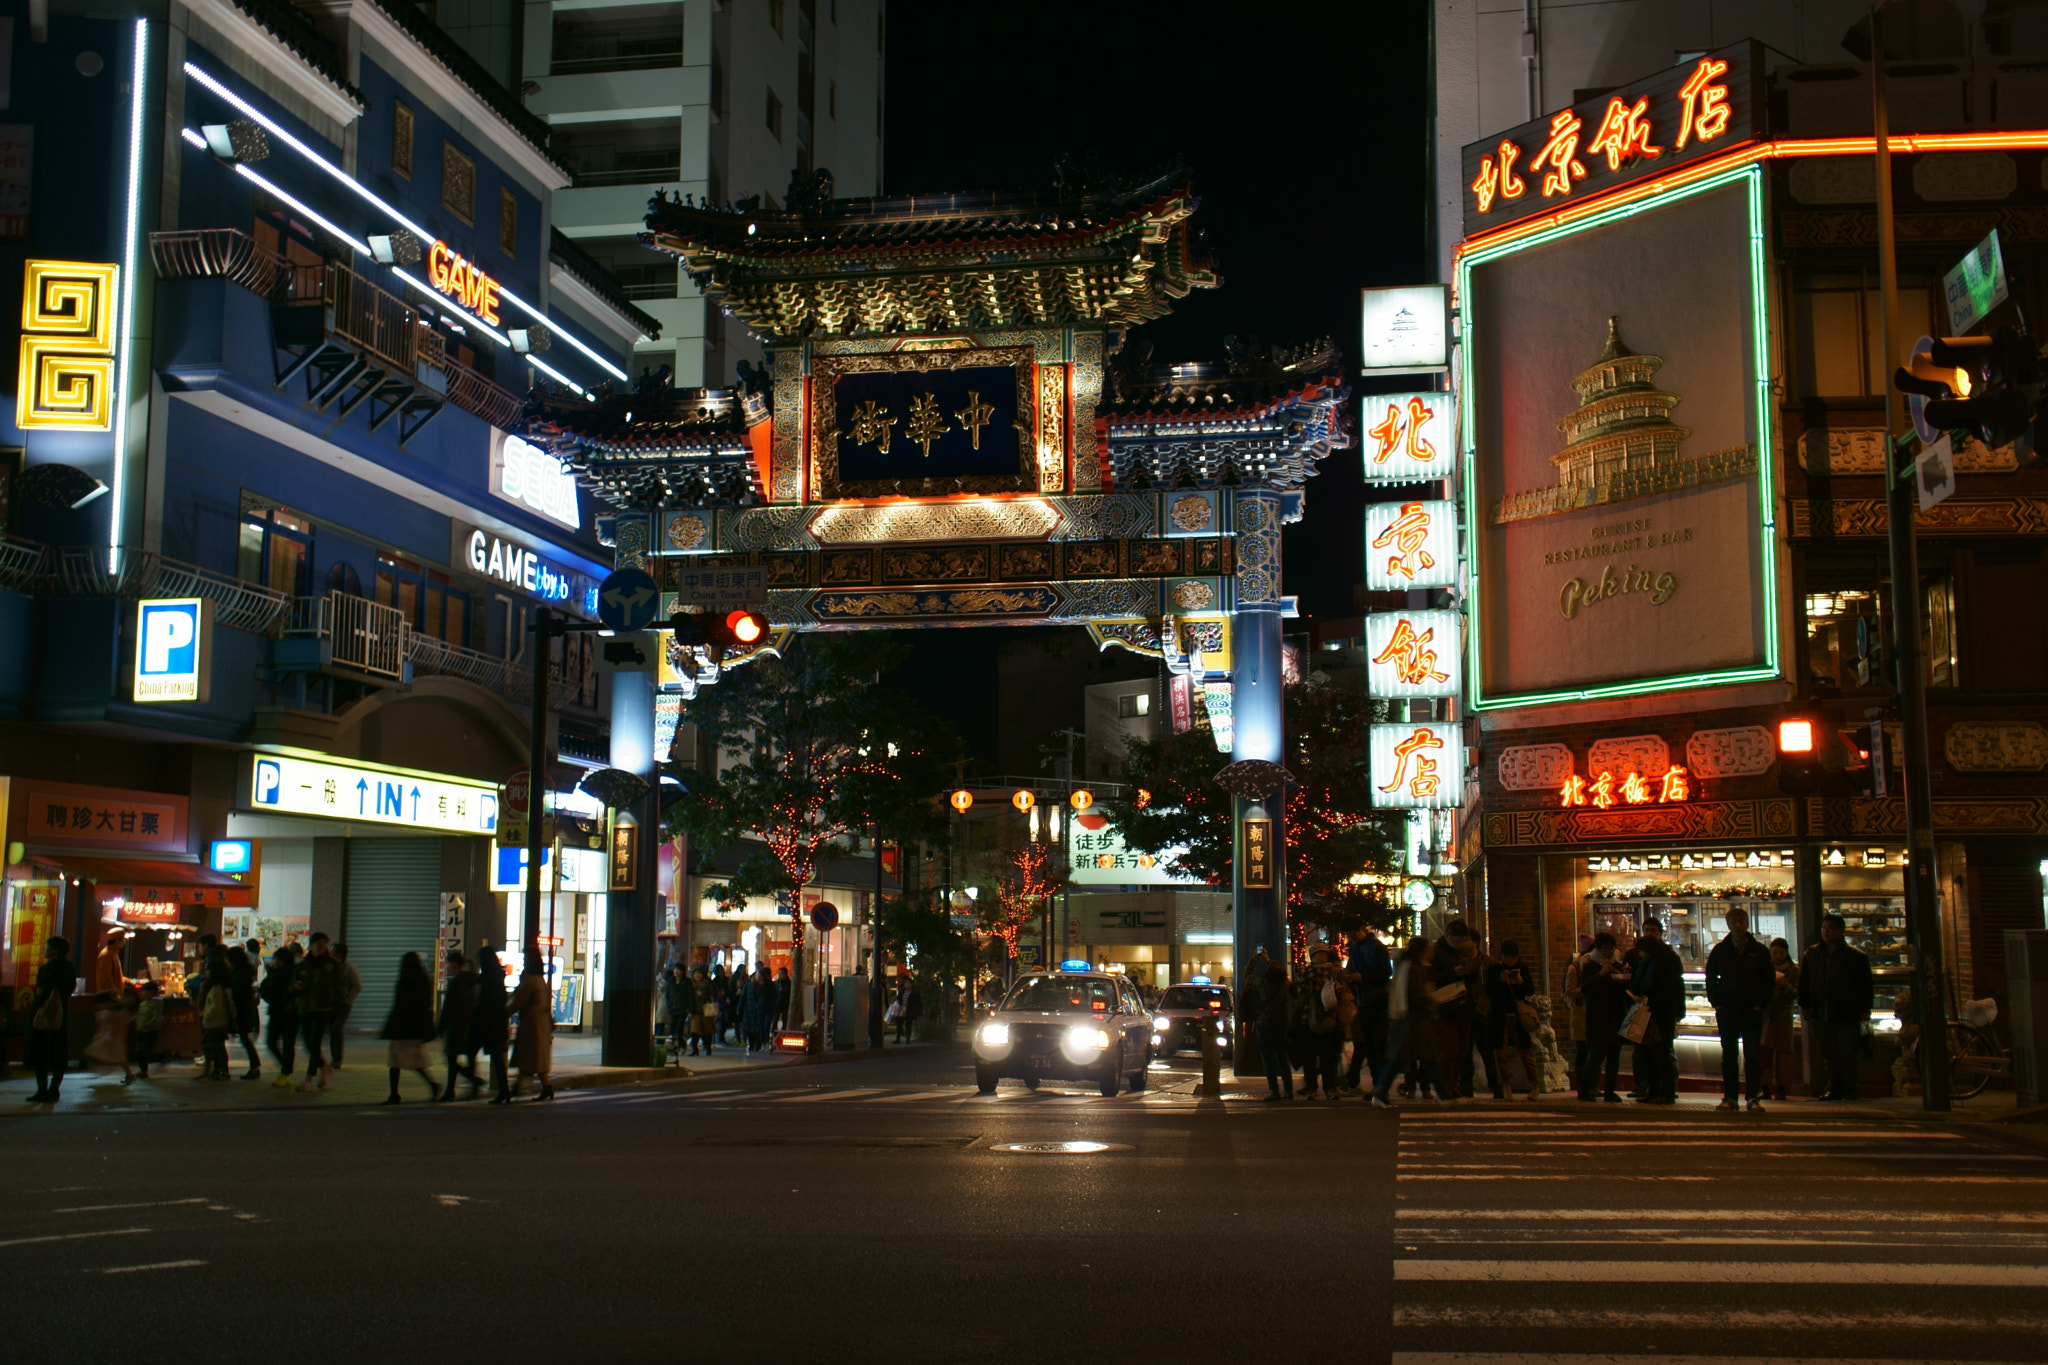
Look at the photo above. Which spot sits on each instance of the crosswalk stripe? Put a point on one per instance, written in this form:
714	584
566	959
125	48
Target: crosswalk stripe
1636	1317
828	1095
1723	1272
1772	1215
917	1095
1529	1358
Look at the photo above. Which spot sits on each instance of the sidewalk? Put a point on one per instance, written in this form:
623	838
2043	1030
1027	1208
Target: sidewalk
366	1080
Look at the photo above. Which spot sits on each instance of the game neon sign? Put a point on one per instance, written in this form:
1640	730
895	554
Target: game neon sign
462	281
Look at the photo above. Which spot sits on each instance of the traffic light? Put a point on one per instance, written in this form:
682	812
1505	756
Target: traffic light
1798	755
737	630
1987	386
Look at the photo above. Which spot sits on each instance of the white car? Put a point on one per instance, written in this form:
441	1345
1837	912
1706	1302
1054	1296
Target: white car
1188	1013
1072	1024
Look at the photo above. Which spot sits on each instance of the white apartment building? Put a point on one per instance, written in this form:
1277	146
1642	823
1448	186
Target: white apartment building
720	99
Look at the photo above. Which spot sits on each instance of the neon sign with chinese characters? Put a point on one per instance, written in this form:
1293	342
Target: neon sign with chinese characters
1411	545
1703	106
1413	653
1409	437
1416	766
461	280
1609	789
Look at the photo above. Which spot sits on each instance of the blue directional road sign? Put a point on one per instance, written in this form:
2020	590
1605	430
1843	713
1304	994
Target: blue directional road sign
627	601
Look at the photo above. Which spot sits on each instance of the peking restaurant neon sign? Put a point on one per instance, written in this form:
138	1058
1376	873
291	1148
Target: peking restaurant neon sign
461	280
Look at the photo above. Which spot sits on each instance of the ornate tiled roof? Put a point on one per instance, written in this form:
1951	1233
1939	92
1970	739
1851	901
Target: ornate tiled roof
655	446
1265	415
940	263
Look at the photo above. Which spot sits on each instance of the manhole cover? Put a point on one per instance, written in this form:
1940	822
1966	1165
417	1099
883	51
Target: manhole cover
1060	1148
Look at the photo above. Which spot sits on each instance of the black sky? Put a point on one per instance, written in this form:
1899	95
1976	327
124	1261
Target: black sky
1303	121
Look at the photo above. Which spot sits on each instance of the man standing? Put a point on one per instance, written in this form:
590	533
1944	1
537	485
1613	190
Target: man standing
1452	966
783	986
1835	996
1660	983
351	987
1603	982
317	984
1369	969
1739	983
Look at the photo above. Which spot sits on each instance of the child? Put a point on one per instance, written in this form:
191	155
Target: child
110	1041
149	1021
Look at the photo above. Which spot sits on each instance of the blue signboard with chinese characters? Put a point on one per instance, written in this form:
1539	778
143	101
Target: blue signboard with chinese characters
928	423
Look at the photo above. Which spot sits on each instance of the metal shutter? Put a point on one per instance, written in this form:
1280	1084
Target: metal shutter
394	907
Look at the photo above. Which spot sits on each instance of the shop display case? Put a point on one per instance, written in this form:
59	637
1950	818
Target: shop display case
1876	927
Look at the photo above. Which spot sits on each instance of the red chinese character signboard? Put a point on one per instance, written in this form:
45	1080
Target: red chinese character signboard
1701	108
1607	790
102	817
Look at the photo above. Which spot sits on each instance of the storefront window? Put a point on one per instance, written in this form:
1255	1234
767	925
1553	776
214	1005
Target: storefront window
276	550
426	597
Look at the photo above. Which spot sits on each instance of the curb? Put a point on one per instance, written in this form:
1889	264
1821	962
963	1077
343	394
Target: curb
589	1080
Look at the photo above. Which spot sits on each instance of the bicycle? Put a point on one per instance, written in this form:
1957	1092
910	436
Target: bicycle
1975	1057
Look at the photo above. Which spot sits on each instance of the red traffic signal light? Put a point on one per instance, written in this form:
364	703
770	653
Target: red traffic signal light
1795	736
736	630
744	627
1798	755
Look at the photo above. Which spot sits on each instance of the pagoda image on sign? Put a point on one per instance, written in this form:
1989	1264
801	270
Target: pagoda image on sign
1620	442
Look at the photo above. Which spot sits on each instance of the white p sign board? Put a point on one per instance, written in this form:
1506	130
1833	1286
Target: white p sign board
173	649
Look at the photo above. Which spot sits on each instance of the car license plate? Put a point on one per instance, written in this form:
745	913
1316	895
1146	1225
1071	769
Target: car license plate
1038	1063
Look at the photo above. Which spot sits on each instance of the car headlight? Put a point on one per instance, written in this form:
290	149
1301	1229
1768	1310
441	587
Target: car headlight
995	1035
1162	1023
1087	1039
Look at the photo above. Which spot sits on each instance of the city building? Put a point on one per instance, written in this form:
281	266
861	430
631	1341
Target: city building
1674	520
270	553
721	102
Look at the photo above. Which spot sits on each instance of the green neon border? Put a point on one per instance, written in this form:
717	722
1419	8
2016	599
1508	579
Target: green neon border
1752	177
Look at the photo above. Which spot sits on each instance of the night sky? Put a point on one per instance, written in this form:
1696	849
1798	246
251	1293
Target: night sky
1305	124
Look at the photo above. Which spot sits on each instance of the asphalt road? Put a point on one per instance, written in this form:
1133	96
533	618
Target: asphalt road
867	1211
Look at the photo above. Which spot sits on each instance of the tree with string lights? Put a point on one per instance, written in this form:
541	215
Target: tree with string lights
1034	874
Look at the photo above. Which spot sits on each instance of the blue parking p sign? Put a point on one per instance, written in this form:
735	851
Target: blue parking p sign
173	649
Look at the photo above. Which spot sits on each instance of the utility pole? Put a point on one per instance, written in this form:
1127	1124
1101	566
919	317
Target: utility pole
875	949
537	783
1923	917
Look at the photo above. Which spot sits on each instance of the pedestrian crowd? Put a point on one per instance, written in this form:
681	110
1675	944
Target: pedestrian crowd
698	1007
1433	1017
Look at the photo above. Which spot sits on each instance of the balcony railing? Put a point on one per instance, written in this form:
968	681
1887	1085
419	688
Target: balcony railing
442	659
218	253
20	563
361	634
77	571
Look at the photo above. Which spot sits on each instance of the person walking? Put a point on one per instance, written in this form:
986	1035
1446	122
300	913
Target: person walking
1411	1039
1659	982
784	987
1506	986
317	982
533	1050
679	1002
490	1034
1779	1061
283	1007
1367	970
898	1013
49	1021
1453	966
248	1018
149	1022
1271	1012
458	1012
704	1014
1323	998
112	1014
728	1003
1739	986
1604	983
409	1027
217	1016
757	1009
1835	995
351	987
913	1009
1575	1007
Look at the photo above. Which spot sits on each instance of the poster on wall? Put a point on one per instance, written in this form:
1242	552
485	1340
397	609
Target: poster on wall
1617	435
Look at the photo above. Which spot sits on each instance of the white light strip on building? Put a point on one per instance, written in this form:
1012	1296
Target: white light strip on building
557	330
364	193
303	150
193	138
131	233
357	243
441	301
560	378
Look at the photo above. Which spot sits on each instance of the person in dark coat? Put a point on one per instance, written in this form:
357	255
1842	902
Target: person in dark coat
410	1025
1603	982
681	999
1835	996
1507	984
783	987
458	1013
728	1003
757	1009
248	1019
1451	964
1740	981
276	993
1411	1033
490	1029
1270	1009
1368	970
49	1020
1659	982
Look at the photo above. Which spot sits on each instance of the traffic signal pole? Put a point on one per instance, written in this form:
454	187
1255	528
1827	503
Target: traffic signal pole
537	784
1923	917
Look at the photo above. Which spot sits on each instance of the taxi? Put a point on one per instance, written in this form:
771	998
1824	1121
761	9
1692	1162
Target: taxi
1073	1024
1188	1013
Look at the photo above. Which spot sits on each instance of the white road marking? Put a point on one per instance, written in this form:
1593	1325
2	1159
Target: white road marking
154	1265
917	1095
1458	1358
147	1204
1634	1319
71	1236
1723	1272
451	1200
828	1095
1719	1215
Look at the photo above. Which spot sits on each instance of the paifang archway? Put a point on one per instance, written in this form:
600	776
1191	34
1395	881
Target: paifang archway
956	426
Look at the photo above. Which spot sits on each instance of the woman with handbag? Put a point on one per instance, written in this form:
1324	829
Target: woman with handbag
704	1013
48	1019
1778	1055
1511	1021
533	1050
410	1025
1411	1031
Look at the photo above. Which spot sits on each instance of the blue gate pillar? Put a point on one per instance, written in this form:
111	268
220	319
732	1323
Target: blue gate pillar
632	918
1259	915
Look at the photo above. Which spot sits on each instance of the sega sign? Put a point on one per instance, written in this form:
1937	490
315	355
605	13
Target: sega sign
173	649
385	796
